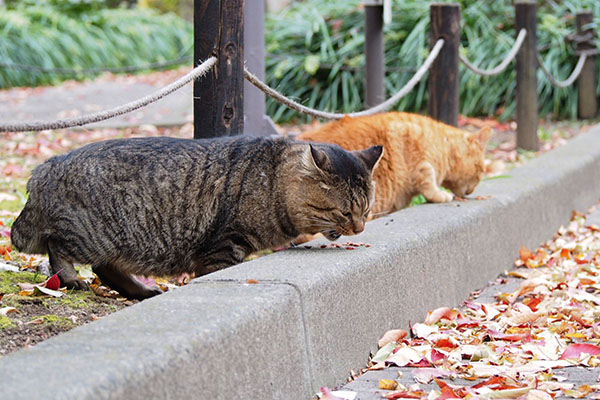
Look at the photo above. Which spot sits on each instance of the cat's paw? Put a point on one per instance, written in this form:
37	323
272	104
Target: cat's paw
332	235
75	284
441	197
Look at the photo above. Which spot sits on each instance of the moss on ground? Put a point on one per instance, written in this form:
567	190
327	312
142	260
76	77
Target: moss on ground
55	320
9	280
6	322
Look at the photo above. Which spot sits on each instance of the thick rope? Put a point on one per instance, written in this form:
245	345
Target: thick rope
435	51
502	66
197	72
567	82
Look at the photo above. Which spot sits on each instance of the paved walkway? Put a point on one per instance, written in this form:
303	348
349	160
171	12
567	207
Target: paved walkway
367	386
76	99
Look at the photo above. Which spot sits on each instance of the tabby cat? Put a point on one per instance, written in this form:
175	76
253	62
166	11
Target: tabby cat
166	206
421	155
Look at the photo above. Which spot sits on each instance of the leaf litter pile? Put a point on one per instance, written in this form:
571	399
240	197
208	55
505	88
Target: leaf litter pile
518	344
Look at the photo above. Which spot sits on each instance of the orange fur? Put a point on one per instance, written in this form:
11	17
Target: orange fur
421	155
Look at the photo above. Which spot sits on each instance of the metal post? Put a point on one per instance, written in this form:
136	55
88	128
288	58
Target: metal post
375	54
218	97
256	121
443	74
588	104
527	105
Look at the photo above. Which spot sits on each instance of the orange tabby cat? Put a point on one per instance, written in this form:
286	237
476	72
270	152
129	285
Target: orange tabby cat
421	155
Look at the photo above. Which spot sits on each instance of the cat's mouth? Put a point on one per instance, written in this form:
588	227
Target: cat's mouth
332	234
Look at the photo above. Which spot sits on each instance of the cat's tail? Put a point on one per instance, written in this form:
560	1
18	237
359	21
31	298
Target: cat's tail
27	232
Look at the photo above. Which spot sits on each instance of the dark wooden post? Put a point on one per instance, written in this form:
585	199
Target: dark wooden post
527	105
443	74
375	54
218	97
586	83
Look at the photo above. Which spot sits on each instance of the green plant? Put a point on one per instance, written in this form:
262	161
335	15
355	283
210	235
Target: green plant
45	36
316	55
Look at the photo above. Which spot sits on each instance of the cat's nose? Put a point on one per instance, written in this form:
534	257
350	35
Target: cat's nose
359	226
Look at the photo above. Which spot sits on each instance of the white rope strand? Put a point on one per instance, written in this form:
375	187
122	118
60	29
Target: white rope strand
502	66
197	72
435	51
567	82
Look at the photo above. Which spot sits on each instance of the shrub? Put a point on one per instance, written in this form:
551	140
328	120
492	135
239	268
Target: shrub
316	55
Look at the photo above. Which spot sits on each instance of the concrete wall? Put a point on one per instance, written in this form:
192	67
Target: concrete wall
315	313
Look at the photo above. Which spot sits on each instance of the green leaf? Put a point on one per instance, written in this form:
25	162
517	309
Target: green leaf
311	64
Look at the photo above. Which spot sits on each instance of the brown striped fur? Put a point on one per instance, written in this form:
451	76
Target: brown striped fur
165	206
421	155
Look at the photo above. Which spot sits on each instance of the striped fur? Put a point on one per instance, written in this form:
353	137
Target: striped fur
165	206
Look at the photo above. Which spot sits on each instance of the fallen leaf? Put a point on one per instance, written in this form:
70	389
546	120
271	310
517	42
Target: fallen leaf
5	310
439	313
40	290
525	254
388	384
575	350
394	335
251	281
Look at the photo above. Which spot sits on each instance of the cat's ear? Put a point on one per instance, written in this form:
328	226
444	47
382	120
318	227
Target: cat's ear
370	156
314	160
481	137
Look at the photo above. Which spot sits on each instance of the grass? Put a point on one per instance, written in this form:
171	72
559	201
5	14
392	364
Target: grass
45	36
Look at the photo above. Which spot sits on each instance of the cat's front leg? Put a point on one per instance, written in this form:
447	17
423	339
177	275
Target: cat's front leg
426	183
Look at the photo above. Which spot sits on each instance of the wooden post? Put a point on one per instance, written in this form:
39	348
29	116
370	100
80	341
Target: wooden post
375	54
256	122
218	97
527	105
443	74
588	105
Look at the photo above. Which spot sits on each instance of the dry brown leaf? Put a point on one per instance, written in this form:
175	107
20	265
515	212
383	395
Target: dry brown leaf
5	310
388	384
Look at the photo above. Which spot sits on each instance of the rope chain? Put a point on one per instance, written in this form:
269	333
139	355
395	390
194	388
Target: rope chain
567	82
435	51
502	66
197	72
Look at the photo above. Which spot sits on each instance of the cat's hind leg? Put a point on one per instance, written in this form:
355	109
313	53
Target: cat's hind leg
426	183
61	265
124	283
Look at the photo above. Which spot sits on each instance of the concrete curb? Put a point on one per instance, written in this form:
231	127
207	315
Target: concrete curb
315	313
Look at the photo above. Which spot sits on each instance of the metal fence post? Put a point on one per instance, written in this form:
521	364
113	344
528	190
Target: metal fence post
255	119
218	97
527	105
443	74
586	83
375	53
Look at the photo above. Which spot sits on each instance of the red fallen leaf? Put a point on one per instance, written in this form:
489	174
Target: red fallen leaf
53	282
575	350
525	254
466	323
251	281
577	317
437	356
445	343
586	281
532	303
447	391
499	383
421	364
5	249
565	253
404	394
510	337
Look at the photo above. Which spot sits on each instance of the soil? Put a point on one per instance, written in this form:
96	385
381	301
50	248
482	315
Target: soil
38	319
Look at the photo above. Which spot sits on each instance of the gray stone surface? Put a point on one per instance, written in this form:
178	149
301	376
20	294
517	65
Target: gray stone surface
315	313
59	102
203	341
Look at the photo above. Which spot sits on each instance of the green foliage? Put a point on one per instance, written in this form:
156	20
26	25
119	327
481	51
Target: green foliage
47	36
316	55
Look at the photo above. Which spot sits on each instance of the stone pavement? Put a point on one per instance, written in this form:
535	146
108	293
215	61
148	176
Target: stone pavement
74	99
